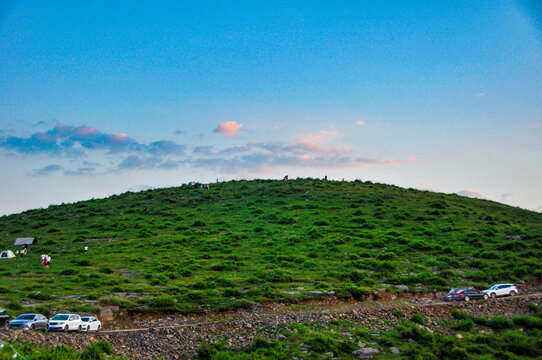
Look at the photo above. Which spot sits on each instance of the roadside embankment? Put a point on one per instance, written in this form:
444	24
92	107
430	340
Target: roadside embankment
178	336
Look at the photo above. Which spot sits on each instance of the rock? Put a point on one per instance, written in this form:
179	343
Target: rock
281	337
402	287
361	345
365	353
108	313
394	350
315	292
290	292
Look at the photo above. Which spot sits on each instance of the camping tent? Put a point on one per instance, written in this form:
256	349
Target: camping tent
8	254
24	241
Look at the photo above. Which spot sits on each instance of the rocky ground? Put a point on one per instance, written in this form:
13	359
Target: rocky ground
150	335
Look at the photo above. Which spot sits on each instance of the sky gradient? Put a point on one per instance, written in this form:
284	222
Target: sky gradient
99	98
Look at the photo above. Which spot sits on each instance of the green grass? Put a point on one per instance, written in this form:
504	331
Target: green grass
254	240
100	350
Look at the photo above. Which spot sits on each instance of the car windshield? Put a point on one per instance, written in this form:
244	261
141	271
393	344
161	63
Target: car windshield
25	317
493	287
453	291
60	317
85	319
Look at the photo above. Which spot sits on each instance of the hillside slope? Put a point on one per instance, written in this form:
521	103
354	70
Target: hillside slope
185	249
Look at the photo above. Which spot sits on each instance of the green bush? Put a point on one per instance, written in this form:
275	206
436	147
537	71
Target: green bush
500	322
92	352
417	319
14	305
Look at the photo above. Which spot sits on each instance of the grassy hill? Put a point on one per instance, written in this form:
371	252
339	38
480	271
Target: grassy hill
185	249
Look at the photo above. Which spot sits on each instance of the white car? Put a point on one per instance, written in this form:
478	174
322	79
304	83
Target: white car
502	290
65	322
90	323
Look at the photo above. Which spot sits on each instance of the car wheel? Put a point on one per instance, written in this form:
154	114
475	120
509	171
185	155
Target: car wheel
493	295
66	328
486	297
467	298
98	328
88	329
79	329
32	327
512	293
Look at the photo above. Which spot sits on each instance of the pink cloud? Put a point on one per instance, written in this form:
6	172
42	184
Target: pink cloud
481	94
228	129
360	122
315	142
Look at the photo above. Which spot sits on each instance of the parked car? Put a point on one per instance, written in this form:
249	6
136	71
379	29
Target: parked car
29	322
90	323
502	290
464	294
65	322
4	318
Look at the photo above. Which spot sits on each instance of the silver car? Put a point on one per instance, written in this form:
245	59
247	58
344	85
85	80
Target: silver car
29	322
502	290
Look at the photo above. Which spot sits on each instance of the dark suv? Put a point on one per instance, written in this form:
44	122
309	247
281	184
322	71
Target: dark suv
4	318
466	294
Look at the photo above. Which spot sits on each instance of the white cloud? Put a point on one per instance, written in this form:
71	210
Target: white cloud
470	193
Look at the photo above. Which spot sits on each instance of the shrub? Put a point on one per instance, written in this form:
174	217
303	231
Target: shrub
198	223
69	272
458	314
259	343
465	324
321	343
242	304
531	306
500	322
417	319
164	303
229	292
42	309
14	305
358	292
195	295
106	270
205	351
40	296
528	322
105	347
92	352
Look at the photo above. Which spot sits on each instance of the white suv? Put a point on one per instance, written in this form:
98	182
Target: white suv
65	322
502	290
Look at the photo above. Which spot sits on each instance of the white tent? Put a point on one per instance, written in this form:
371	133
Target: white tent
8	254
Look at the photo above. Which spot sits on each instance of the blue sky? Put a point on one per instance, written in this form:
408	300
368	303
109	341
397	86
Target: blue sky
98	98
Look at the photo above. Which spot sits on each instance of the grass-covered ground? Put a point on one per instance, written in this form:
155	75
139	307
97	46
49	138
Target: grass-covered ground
185	249
97	351
464	337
